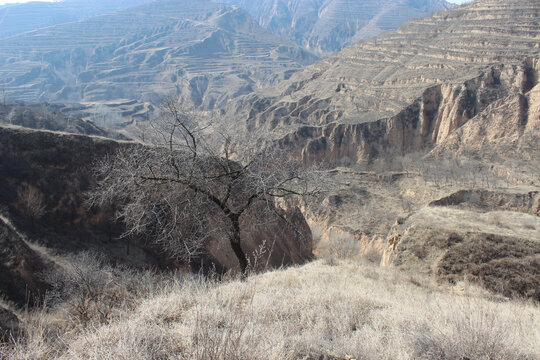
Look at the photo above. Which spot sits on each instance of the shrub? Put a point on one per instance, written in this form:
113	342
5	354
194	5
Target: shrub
31	202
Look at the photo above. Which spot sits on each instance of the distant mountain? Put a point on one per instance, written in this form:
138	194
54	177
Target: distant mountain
19	18
205	53
326	26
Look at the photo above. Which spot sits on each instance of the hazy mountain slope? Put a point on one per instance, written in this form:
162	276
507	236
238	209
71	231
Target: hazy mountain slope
326	26
50	117
206	52
21	18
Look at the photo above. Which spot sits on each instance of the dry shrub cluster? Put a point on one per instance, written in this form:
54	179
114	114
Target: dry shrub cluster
324	310
88	291
31	202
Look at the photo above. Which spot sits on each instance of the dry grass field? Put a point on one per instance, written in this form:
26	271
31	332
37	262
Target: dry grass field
328	309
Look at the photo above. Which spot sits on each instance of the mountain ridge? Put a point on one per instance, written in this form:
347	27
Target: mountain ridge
326	26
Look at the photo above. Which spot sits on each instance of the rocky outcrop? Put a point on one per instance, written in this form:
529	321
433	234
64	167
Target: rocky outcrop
43	179
508	127
428	122
487	237
503	264
324	27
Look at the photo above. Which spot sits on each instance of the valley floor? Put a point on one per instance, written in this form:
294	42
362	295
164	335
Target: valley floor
327	309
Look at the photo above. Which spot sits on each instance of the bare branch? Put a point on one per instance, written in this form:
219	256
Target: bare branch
194	184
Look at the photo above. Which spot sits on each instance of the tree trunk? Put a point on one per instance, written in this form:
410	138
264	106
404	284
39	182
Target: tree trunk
236	243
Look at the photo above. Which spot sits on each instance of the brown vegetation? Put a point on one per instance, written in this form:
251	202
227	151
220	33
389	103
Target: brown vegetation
324	310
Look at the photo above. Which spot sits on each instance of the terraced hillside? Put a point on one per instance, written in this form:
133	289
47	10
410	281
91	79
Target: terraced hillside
20	18
207	53
456	63
326	26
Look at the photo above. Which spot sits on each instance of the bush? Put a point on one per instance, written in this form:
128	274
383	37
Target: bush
31	202
90	291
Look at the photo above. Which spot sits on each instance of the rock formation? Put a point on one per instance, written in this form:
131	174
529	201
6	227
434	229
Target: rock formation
406	90
440	119
488	237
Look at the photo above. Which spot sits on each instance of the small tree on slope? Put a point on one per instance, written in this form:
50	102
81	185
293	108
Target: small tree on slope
188	188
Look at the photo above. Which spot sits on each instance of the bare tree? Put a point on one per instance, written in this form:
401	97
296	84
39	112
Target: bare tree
31	202
196	184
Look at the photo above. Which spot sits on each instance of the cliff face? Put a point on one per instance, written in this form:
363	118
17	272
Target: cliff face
498	100
407	90
509	126
43	179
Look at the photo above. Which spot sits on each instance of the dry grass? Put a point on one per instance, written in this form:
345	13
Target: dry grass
338	309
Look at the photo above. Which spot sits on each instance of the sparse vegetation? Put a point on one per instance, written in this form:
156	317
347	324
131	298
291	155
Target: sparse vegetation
196	185
324	310
31	202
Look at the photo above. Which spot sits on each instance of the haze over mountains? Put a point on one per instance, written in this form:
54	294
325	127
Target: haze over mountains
205	53
326	26
16	19
454	64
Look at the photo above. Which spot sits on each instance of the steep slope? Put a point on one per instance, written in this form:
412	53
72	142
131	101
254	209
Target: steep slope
207	53
445	105
326	26
489	112
509	127
45	175
436	73
19	18
20	269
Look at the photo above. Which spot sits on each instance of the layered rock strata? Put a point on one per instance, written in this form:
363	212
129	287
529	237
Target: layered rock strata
406	90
